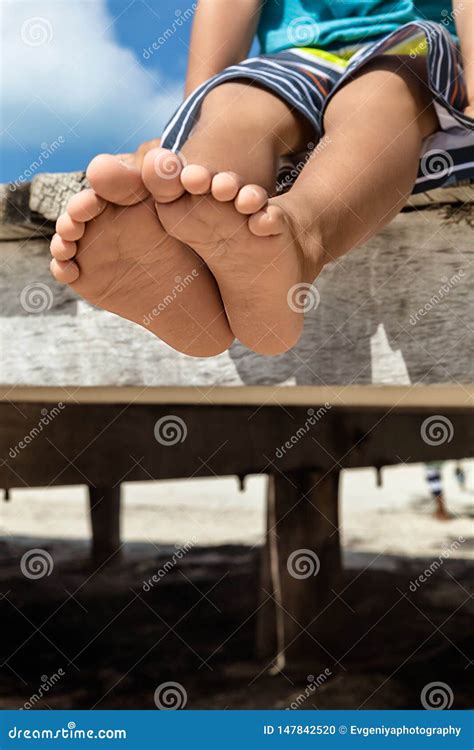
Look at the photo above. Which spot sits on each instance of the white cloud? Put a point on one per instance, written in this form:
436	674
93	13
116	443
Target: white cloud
63	69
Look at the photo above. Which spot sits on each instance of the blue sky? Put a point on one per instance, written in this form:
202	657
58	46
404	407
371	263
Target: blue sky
77	80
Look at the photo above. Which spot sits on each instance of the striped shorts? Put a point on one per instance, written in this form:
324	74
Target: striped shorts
307	78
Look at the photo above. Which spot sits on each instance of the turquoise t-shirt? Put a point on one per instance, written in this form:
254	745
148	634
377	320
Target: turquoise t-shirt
332	24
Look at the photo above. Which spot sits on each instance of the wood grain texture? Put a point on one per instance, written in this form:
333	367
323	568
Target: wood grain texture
299	603
103	445
398	311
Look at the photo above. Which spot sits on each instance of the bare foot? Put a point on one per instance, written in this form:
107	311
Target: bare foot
117	177
261	265
121	259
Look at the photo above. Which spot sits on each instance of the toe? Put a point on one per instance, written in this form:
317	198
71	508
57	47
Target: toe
225	186
117	179
251	198
61	249
66	272
69	229
196	179
85	206
268	222
161	173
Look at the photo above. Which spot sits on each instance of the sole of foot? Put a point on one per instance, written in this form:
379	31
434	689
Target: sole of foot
121	259
250	244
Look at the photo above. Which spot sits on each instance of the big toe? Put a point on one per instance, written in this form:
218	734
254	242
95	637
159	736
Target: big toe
161	172
117	179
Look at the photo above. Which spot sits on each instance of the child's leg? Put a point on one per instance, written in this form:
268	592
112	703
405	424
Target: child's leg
375	126
242	129
350	188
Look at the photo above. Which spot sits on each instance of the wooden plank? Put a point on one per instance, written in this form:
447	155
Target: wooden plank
383	318
50	193
16	218
30	209
398	311
102	445
443	196
402	398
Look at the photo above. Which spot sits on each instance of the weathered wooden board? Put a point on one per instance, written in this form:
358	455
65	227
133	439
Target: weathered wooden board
398	311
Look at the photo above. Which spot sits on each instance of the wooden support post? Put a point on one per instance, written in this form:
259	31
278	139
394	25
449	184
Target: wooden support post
105	523
302	569
267	644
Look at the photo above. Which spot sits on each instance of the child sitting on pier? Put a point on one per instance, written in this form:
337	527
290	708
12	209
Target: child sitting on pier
349	90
